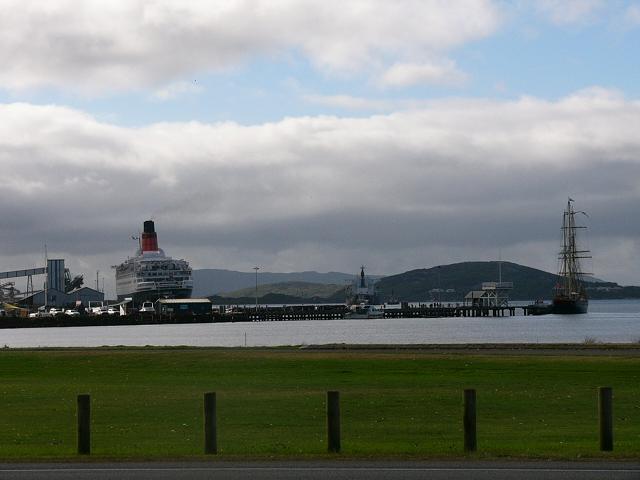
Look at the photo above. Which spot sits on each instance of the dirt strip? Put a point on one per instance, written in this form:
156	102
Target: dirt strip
557	349
622	350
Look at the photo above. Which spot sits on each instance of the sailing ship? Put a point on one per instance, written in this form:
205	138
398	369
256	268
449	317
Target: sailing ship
570	294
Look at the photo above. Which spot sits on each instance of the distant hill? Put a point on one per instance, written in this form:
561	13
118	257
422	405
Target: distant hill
215	281
456	280
612	291
277	299
291	289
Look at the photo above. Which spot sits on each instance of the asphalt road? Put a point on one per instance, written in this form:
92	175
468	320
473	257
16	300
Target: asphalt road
335	470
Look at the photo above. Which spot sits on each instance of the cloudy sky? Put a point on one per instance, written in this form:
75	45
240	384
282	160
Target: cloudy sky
307	135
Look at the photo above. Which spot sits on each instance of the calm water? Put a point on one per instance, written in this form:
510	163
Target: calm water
612	321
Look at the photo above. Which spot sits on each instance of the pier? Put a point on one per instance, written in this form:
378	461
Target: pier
264	314
335	312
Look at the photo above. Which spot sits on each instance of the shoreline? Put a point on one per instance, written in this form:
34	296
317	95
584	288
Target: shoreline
507	349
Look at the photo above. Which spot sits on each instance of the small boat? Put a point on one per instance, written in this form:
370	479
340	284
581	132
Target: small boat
539	308
364	310
570	295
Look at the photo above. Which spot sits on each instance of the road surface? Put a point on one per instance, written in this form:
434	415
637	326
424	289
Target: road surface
335	470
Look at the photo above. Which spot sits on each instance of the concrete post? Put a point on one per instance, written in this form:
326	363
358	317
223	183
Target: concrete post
333	421
605	414
84	424
210	424
469	421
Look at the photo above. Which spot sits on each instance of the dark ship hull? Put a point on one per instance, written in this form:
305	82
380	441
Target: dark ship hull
569	306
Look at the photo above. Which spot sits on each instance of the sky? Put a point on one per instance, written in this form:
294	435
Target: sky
302	135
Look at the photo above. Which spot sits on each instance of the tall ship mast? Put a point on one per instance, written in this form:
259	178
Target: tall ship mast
151	274
570	294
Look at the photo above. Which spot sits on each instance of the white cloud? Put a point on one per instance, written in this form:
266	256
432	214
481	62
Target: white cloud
350	102
408	74
453	180
632	14
565	12
175	90
96	46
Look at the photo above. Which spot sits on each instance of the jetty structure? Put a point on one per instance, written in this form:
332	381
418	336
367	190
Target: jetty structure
150	274
570	293
492	295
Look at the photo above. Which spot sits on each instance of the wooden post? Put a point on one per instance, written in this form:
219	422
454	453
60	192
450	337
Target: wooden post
469	421
210	424
84	424
605	413
333	421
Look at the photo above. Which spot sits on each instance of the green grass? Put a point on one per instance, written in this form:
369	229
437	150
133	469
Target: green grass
148	402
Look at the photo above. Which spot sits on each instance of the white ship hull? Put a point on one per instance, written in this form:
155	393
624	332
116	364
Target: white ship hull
152	275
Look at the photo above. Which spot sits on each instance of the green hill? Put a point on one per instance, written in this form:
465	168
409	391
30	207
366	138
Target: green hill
455	280
450	283
290	289
446	283
211	281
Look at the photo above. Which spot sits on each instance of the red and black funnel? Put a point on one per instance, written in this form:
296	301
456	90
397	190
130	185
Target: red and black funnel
149	241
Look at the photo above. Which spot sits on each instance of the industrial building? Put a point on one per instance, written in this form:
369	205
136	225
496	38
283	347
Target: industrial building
53	294
57	298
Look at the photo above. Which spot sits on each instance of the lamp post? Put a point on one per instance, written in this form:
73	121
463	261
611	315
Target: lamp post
256	269
439	286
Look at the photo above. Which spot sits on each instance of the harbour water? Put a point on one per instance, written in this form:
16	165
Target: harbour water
608	321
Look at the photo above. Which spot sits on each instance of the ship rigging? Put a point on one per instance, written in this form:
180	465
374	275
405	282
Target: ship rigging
570	294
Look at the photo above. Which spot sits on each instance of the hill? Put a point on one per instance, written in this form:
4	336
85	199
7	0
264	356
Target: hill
291	289
212	281
284	293
278	299
452	282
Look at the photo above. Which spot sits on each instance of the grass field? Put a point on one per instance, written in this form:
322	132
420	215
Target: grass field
148	402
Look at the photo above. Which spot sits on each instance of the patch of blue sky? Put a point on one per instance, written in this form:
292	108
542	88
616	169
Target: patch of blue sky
258	91
550	62
527	56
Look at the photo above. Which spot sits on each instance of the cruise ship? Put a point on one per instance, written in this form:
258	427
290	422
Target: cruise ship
150	274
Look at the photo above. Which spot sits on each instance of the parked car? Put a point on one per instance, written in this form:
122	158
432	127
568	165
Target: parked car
147	307
72	312
112	311
56	311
